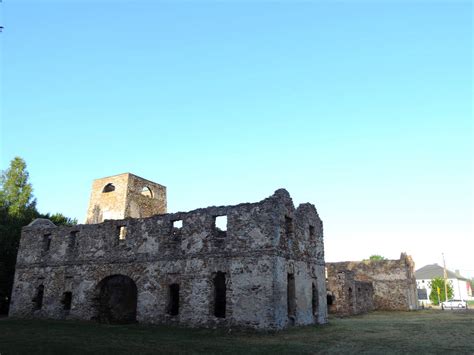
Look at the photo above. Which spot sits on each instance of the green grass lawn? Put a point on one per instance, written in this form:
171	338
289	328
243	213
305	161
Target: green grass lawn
428	331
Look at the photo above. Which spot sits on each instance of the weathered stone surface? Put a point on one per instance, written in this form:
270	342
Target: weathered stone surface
123	196
347	296
394	284
41	223
266	244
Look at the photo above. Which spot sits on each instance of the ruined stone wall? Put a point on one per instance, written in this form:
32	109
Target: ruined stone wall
346	296
263	244
123	196
393	281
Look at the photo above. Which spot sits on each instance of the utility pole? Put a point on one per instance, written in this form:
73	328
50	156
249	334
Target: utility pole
445	280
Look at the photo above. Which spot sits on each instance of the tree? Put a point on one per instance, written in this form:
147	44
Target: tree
60	220
16	193
376	257
436	283
17	209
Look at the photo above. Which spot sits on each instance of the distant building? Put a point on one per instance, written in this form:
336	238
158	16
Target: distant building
346	295
361	286
461	286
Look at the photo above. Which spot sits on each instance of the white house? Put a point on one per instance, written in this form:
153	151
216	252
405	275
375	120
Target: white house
461	286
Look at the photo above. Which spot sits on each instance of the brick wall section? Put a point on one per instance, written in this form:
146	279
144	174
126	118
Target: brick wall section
394	283
264	242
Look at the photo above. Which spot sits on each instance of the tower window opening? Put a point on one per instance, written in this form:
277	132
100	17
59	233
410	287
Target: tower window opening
146	191
109	188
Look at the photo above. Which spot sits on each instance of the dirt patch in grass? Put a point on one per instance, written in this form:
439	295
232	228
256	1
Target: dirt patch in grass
427	331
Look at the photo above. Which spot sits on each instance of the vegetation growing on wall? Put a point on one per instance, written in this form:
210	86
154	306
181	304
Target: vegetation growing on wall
375	257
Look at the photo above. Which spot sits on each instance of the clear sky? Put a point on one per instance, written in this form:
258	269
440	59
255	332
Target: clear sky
363	108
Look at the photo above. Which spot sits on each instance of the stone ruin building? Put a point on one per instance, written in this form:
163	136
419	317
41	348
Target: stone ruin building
361	286
255	265
347	296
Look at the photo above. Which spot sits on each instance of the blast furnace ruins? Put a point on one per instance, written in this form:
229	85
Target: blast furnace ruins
254	265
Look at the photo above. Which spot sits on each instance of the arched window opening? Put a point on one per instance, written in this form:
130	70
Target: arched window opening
38	299
116	300
109	188
219	295
146	191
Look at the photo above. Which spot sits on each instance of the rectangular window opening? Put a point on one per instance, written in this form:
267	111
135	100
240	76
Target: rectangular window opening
72	239
38	299
219	295
288	226
311	231
220	223
67	300
46	242
173	300
291	300
122	232
178	224
315	299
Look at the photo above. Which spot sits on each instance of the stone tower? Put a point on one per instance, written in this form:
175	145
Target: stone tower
125	195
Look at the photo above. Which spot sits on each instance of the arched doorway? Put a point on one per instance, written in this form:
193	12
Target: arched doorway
117	300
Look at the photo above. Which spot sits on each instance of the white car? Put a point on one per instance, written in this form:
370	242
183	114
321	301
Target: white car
454	304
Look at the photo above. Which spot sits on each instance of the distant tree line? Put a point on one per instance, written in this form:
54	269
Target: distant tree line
17	209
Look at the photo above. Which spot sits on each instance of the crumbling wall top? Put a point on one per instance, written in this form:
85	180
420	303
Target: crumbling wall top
41	223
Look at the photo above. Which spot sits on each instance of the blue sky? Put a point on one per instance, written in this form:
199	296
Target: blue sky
363	108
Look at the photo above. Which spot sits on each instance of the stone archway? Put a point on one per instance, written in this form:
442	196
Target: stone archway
117	300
